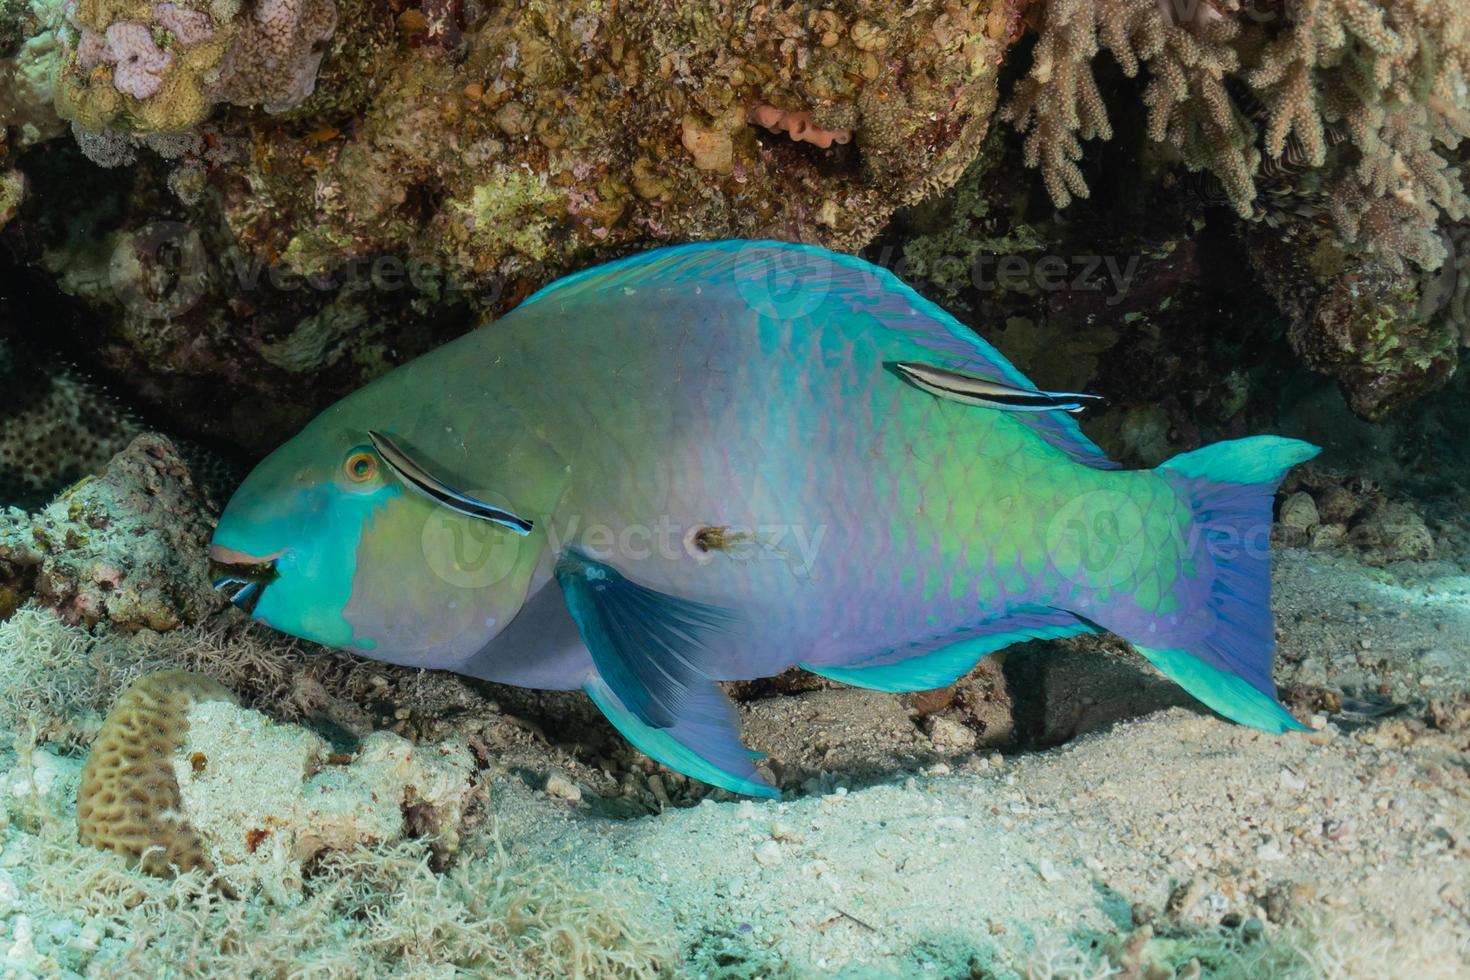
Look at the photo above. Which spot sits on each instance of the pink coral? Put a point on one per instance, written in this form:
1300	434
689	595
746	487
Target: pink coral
187	26
274	61
797	125
138	63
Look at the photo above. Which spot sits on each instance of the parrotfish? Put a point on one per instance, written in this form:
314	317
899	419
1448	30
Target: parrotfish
713	462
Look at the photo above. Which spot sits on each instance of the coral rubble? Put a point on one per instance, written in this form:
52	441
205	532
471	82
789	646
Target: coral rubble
129	545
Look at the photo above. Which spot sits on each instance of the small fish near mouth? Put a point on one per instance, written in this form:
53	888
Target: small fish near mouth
242	577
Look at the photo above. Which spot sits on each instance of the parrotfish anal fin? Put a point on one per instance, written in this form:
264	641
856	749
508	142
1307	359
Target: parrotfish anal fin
703	743
791	281
941	661
970	390
1229	694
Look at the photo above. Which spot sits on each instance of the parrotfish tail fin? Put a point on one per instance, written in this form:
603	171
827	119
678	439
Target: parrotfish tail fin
1229	488
654	656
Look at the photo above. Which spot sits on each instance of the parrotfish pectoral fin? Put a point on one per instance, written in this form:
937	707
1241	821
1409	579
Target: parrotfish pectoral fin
412	472
939	662
652	679
988	393
651	648
703	743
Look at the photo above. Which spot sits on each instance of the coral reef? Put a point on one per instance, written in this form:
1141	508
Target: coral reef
129	545
161	66
128	800
434	177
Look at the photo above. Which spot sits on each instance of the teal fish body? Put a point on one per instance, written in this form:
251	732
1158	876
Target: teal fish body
716	461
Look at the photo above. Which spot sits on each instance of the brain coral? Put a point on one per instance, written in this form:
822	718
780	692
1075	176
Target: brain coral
128	800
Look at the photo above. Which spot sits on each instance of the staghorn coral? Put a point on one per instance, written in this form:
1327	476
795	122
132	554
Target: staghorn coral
129	799
1058	103
1389	78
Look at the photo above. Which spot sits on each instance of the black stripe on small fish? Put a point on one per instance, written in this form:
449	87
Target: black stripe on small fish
991	394
432	487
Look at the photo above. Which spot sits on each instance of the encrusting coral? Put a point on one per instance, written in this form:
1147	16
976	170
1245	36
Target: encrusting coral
161	66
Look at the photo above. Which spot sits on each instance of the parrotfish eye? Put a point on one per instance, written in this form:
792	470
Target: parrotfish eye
360	466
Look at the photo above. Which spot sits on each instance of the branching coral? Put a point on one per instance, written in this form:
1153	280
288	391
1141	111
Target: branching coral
1389	78
1058	103
1394	76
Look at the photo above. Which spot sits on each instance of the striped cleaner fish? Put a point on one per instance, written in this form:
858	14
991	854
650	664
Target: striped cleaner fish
711	462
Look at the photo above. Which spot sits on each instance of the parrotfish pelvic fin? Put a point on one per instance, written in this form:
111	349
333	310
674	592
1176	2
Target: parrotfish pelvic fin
652	678
410	471
986	393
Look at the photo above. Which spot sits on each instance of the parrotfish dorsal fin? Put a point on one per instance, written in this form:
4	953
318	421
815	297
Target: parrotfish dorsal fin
789	281
970	390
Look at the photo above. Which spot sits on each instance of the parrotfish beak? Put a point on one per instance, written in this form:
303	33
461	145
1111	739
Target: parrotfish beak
243	576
